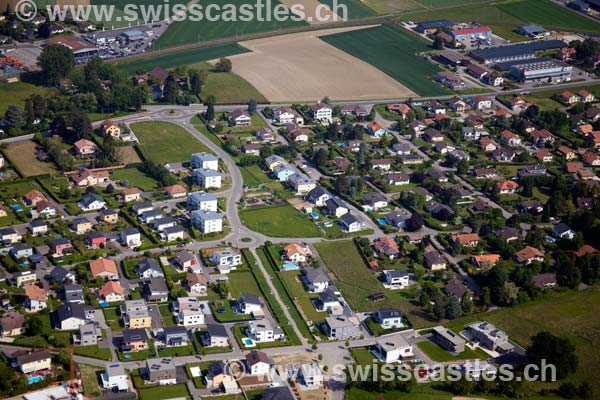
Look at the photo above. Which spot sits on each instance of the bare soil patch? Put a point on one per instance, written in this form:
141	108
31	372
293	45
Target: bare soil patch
301	67
22	156
129	155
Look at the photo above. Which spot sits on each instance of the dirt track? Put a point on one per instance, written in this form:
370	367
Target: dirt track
301	67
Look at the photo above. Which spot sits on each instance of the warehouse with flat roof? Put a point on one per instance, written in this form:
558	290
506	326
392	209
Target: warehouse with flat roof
515	52
546	70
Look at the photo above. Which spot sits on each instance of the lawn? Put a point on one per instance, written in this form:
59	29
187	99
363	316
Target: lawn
254	176
189	31
164	142
164	392
572	315
227	87
136	178
393	51
291	281
16	93
436	353
281	221
167	315
89	377
94	352
356	8
121	19
243	282
394	6
22	156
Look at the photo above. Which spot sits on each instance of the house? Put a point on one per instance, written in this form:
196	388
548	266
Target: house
487	335
375	129
84	147
402	109
89	334
295	253
532	170
568	98
215	336
397	178
566	153
470	33
61	275
155	290
148	268
32	198
131	238
508	187
136	314
447	339
455	287
283	171
374	201
544	280
381	164
114	376
301	184
350	223
218	375
533	207
252	149
494	79
22	278
202	201
161	371
226	259
328	301
466	239
318	196
110	128
386	246
105	268
258	363
196	284
266	135
544	156
9	236
517	103
433	135
43	209
12	324
239	118
397	219
262	331
389	318
459	155
60	247
286	115
434	260
21	251
207	178
322	112
393	348
73	294
485	173
134	340
507	233
130	194
37	227
486	144
354	109
109	216
148	217
141	208
335	207
81	225
477	71
591	159
316	280
204	160
36	298
342	327
86	177
95	240
472	133
341	163
311	375
450	79
529	254
562	231
541	137
249	304
457	104
481	103
175	336
29	361
566	54
207	221
91	202
69	317
585	96
434	107
111	292
296	133
175	191
185	260
274	160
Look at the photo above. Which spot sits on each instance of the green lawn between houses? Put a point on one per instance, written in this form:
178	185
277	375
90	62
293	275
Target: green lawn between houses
136	178
164	142
436	353
393	51
279	221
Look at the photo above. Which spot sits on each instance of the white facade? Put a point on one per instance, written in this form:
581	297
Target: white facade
204	160
207	221
202	201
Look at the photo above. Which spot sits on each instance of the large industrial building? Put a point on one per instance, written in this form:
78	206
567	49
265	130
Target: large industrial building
542	70
82	50
515	52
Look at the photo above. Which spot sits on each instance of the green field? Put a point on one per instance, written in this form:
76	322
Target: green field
189	31
184	57
164	392
393	51
136	178
164	142
503	17
356	8
254	176
282	221
16	93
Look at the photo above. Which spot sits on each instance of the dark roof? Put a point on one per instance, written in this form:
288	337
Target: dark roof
349	219
456	288
175	330
389	313
25	357
134	335
518	49
373	197
66	311
37	223
59	274
541	280
216	368
250	298
217	330
438	23
278	393
255	356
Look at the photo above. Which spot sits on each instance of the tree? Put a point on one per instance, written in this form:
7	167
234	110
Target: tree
223	65
56	61
321	157
210	112
486	296
14	117
415	222
555	351
196	82
438	43
170	90
341	185
453	308
252	106
466	303
507	294
81	125
44	31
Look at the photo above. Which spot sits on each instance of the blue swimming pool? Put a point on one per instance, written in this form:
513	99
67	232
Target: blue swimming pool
104	304
289	266
314	215
382	221
16	207
35	379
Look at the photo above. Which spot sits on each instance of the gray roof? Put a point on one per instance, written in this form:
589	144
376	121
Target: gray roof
66	311
216	330
250	298
516	50
316	274
134	335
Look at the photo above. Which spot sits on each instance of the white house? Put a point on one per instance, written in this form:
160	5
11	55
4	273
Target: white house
114	376
249	303
389	318
258	362
208	178
189	311
204	160
316	280
172	233
207	221
285	115
131	238
202	201
301	184
396	279
393	348
239	118
91	202
322	112
262	331
226	259
350	223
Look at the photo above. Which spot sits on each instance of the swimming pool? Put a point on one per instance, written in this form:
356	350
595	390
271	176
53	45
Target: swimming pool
16	207
35	379
382	221
289	266
248	342
314	215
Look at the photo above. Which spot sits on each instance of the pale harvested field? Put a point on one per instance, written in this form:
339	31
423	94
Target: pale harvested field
129	155
315	13
301	67
22	156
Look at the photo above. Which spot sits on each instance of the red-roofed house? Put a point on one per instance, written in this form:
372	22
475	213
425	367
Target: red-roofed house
528	255
105	268
508	187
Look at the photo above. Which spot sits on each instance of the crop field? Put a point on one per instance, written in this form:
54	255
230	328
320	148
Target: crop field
356	8
185	57
22	156
188	31
164	142
394	52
